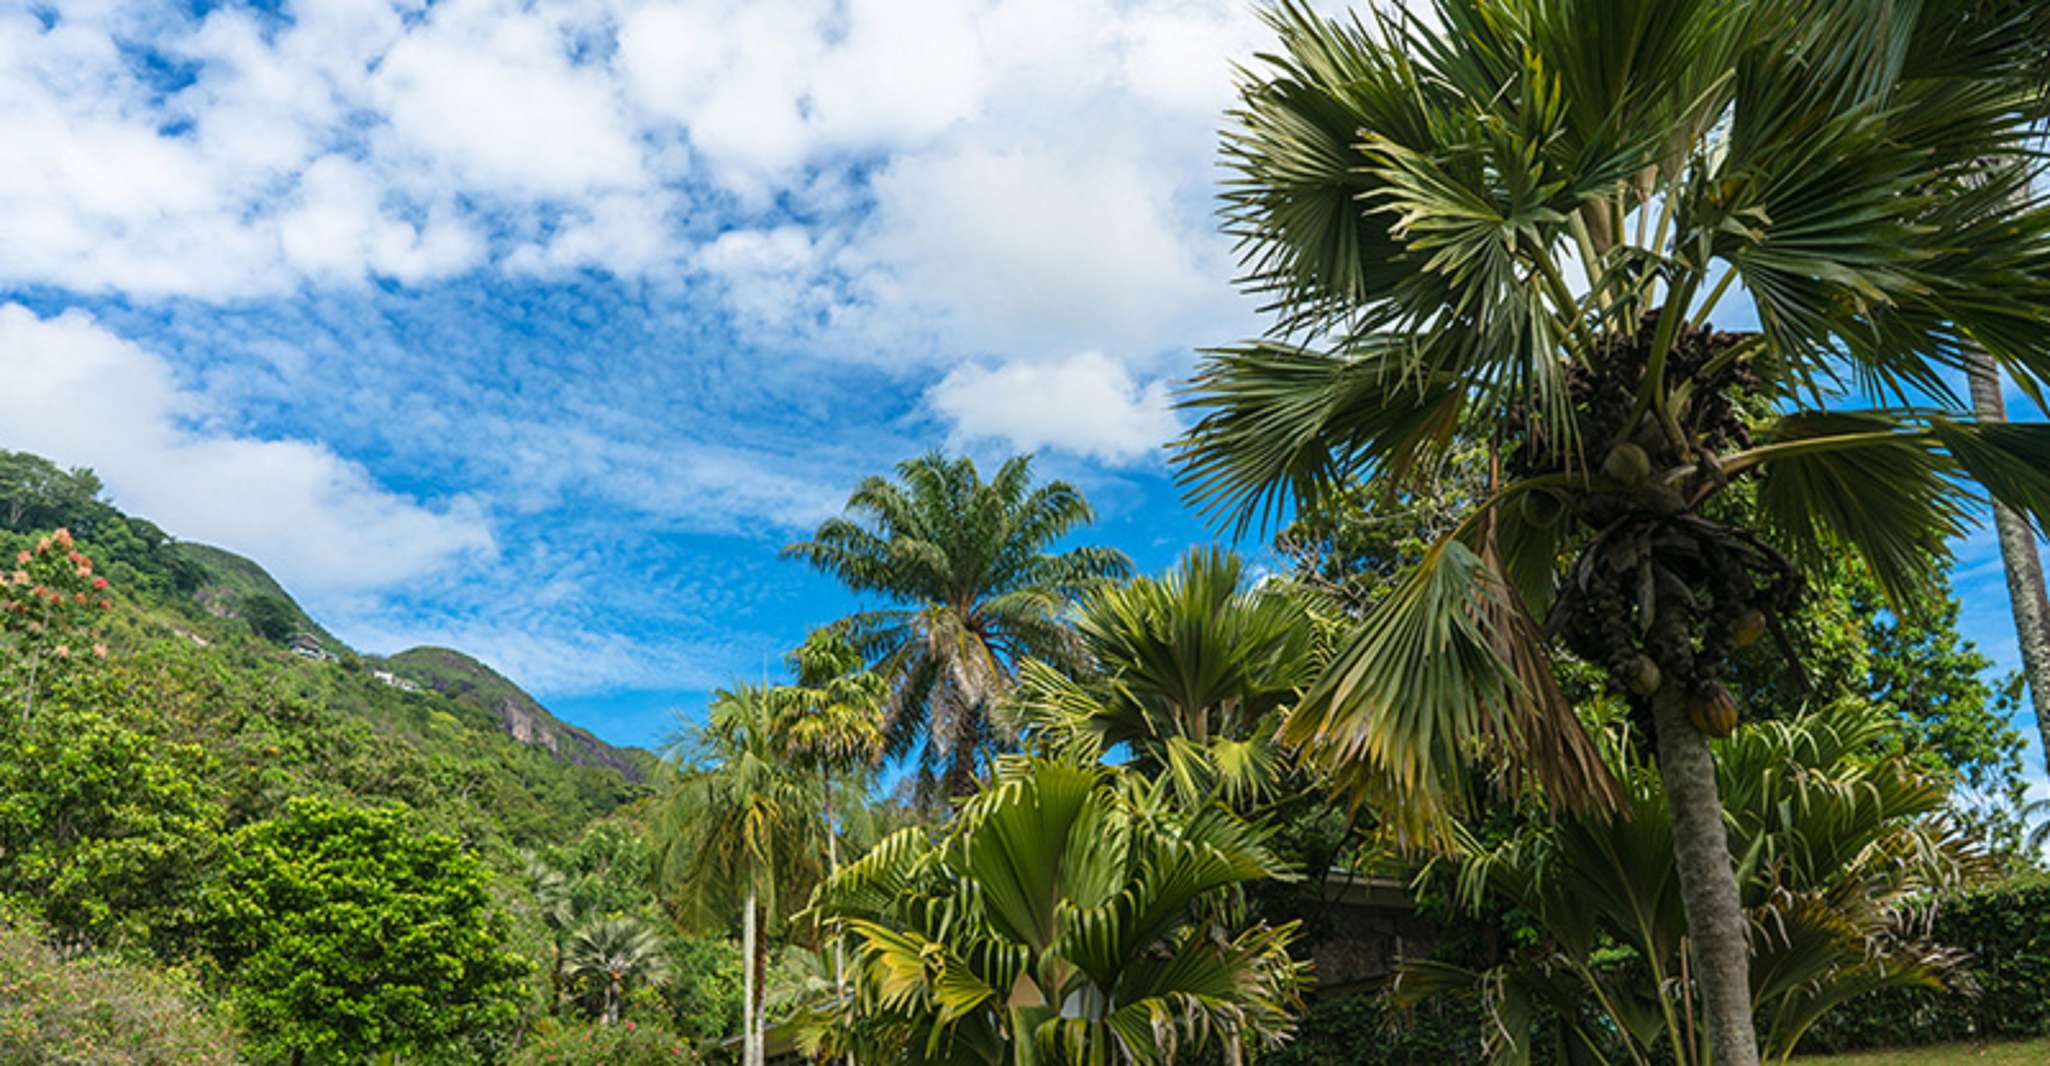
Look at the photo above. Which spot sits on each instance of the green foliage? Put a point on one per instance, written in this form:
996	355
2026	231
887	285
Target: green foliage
1362	1030
965	562
270	617
2004	931
96	1011
625	1044
35	496
1838	847
1068	913
106	830
347	933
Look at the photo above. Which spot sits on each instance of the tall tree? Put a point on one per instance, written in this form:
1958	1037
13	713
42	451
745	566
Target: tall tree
974	590
738	828
1509	227
2022	563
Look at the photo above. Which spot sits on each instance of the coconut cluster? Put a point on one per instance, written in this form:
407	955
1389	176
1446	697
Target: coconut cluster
1659	596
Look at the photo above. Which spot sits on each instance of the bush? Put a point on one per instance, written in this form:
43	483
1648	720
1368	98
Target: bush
2006	929
624	1044
1361	1030
96	1012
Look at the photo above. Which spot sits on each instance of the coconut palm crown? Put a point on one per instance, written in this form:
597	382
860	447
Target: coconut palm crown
973	590
1516	224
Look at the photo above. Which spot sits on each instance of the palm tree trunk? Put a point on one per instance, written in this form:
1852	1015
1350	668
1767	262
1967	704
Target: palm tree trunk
1716	926
839	946
750	1038
2019	557
612	1000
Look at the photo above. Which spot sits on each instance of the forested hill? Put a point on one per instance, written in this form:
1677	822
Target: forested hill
206	632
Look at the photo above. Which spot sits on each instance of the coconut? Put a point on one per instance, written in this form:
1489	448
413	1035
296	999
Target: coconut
1713	712
1750	626
1627	464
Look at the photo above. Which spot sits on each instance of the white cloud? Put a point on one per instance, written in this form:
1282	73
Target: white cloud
1087	404
84	396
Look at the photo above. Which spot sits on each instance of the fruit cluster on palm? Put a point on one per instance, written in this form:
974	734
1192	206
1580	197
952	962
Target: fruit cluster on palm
1510	227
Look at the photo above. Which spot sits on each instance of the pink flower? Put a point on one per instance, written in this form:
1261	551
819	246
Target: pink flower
62	536
85	571
80	597
100	650
63	651
21	577
104	604
23	556
99	582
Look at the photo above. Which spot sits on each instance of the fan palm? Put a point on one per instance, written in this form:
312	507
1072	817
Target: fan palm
1839	846
1190	670
1511	226
738	826
1068	914
965	562
617	952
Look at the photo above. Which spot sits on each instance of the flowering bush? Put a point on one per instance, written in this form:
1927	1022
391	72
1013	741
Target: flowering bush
622	1044
49	599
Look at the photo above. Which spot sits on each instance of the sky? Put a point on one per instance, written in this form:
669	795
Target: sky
536	327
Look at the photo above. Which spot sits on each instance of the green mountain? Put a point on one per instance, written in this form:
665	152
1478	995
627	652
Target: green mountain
452	673
217	653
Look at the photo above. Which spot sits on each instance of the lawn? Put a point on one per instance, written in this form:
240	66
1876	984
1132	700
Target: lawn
2016	1053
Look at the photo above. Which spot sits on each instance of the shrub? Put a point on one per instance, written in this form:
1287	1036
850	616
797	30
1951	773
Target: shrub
624	1044
97	1012
2006	929
1362	1030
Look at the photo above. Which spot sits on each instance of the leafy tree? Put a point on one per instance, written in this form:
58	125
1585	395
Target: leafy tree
1411	197
736	830
269	617
106	830
1069	913
1844	848
975	591
346	934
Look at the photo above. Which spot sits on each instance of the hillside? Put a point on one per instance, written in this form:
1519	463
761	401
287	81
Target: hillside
432	726
232	580
452	673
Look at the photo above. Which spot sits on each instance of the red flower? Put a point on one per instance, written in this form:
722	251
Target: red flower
23	557
99	582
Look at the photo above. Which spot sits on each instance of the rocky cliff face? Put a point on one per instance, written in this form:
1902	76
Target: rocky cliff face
457	675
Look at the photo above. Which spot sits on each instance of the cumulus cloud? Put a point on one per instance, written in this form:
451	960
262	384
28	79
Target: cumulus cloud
1086	404
84	396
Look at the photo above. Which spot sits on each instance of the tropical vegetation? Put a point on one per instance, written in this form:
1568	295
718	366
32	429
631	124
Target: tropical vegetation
1599	698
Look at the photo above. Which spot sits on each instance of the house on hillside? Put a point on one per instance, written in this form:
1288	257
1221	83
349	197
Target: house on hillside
306	646
401	683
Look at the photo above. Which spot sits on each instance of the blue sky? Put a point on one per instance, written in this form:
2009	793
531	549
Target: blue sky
536	327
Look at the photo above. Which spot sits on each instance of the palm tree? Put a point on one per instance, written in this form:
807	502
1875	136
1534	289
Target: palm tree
830	724
1068	914
1191	672
1509	227
617	951
552	892
975	590
1846	847
2021	562
738	827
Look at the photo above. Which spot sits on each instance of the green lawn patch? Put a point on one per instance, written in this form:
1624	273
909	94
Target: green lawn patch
2010	1053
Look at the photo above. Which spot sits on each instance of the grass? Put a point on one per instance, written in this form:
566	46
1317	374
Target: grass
2015	1053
